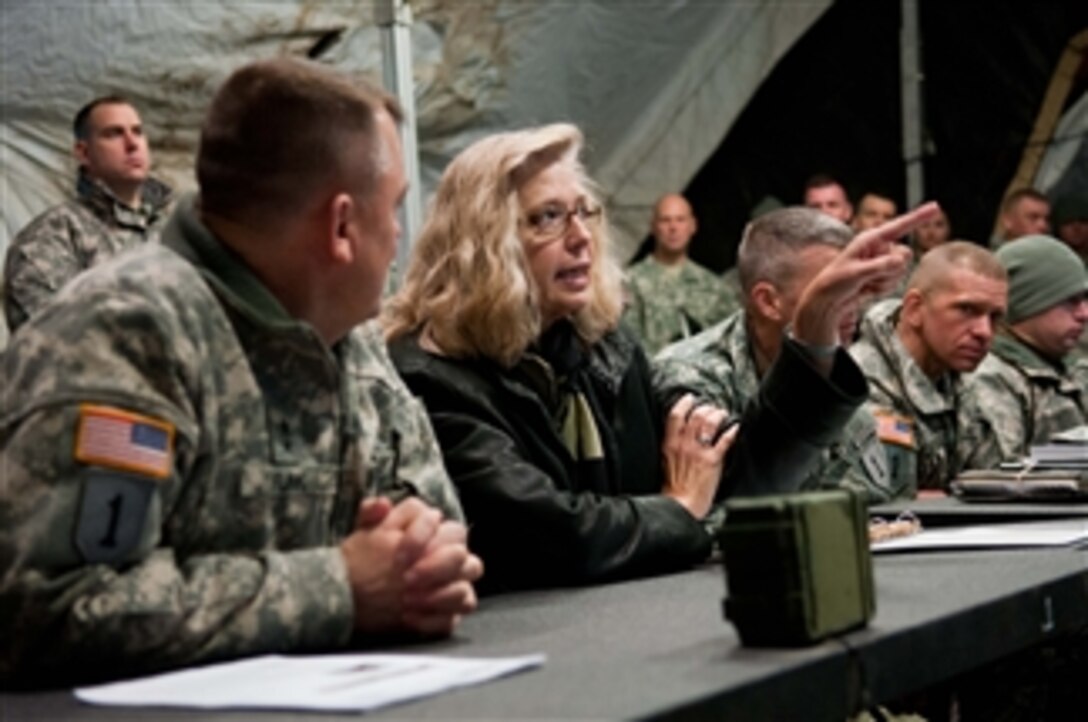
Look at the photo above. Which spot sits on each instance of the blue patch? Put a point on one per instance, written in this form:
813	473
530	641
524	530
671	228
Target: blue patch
150	437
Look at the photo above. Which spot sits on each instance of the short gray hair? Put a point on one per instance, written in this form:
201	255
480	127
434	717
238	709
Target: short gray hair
772	241
937	265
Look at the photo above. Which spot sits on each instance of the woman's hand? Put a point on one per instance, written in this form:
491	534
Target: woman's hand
693	455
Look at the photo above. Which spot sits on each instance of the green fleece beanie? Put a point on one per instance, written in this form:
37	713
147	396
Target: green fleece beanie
1043	272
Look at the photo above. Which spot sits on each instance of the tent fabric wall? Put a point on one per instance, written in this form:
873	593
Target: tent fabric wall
1064	168
654	86
832	105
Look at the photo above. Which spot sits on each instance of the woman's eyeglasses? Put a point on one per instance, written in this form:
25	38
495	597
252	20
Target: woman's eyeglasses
553	220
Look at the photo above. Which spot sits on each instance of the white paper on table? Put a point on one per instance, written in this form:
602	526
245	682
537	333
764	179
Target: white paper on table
1068	532
342	682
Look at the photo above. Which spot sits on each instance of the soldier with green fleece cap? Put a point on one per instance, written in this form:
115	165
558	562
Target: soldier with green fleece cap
1029	388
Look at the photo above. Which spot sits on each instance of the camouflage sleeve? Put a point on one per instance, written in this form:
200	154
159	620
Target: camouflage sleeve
898	436
734	296
896	430
676	373
422	465
41	259
633	310
419	465
1000	402
96	580
980	443
1078	371
726	303
859	461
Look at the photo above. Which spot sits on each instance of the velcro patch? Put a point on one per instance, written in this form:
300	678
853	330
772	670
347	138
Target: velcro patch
891	428
118	439
875	462
112	515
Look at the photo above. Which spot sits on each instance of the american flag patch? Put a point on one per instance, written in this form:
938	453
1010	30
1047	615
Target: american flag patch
891	428
117	439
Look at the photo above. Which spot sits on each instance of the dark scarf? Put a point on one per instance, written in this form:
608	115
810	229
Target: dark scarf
557	368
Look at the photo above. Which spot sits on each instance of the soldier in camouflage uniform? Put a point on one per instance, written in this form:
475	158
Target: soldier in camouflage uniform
781	252
117	206
670	296
1070	223
204	454
731	282
913	352
1024	212
927	237
874	208
1026	388
827	195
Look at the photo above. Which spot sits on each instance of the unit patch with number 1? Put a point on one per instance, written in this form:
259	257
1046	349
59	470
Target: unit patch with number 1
127	453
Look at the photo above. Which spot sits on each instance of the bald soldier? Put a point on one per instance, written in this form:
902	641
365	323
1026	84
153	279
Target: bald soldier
780	254
1027	387
914	351
205	455
670	296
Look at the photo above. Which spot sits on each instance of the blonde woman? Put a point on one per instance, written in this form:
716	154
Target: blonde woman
568	468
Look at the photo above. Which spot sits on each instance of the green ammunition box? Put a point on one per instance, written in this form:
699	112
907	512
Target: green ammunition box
797	567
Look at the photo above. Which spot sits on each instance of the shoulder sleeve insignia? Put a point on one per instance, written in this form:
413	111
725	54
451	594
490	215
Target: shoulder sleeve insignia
113	515
875	462
116	439
891	428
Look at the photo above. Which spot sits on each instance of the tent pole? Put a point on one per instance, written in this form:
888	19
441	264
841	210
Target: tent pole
911	95
394	18
1042	134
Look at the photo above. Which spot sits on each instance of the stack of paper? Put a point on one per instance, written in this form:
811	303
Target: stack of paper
349	682
1073	456
1075	435
1066	450
1066	532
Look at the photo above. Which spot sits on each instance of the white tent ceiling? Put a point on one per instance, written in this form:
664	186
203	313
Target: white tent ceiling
1064	167
654	85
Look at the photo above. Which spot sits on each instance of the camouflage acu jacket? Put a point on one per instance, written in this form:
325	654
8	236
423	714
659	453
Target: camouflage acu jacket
735	294
1026	398
74	236
929	426
1080	353
667	304
718	365
181	459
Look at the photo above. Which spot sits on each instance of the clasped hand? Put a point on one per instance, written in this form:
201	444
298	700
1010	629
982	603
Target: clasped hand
409	570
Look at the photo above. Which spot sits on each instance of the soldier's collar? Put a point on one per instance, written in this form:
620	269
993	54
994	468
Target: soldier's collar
670	268
187	236
1017	350
154	196
928	395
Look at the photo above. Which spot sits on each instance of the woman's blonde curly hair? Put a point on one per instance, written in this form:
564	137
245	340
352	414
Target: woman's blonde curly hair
468	285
